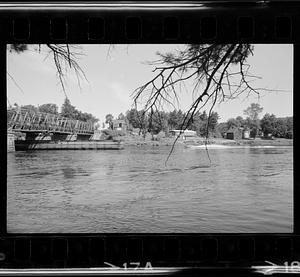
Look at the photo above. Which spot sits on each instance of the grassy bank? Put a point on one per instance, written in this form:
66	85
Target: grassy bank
140	141
248	142
168	141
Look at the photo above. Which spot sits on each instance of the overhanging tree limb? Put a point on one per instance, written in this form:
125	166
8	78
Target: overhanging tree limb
64	56
211	66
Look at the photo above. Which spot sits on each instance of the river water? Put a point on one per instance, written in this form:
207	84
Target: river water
133	190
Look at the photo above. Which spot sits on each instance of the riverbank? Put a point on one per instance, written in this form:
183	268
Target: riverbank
244	142
168	141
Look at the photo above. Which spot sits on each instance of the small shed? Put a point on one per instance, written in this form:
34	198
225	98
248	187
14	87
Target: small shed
246	134
230	134
234	133
119	124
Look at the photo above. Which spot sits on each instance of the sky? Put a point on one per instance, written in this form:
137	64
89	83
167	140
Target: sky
113	72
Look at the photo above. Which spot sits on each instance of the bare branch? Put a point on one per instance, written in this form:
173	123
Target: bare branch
62	56
14	81
210	66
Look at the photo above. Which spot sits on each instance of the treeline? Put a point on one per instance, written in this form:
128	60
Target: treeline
160	121
278	127
269	125
67	110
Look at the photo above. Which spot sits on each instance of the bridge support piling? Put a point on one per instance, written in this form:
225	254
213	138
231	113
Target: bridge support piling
83	137
59	137
10	142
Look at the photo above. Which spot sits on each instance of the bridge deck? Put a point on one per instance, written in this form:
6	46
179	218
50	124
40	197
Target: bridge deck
27	121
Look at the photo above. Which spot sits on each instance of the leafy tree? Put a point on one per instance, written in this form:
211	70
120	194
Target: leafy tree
241	121
158	121
253	132
289	123
237	122
175	119
268	124
132	118
233	123
280	128
252	121
48	108
284	127
207	124
87	117
198	124
253	125
203	124
30	108
221	128
109	120
121	116
68	110
203	116
213	122
137	119
253	111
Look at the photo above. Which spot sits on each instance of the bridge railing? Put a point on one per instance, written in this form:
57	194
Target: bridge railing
28	120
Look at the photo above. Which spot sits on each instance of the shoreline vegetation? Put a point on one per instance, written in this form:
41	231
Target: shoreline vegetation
197	141
139	128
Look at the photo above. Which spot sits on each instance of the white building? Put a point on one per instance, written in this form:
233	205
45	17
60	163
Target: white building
184	133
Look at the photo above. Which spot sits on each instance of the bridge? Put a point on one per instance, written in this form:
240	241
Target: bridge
32	123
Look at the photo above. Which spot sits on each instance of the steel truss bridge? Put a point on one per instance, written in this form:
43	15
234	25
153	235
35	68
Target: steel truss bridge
28	121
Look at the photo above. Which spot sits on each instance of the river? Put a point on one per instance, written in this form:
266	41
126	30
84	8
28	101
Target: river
133	190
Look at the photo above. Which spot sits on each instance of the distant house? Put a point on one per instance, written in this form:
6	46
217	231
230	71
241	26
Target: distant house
230	134
237	133
246	134
234	133
184	133
119	124
267	136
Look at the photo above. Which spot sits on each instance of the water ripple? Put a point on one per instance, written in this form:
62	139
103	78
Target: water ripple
241	190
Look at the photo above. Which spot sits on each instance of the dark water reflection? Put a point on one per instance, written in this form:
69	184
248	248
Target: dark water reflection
132	190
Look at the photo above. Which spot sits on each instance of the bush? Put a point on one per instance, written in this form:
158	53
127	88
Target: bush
112	134
289	134
161	134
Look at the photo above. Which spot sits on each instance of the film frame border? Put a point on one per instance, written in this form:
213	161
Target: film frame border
253	22
205	23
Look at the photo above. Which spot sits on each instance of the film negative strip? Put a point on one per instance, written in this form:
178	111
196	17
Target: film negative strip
149	251
146	23
262	22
